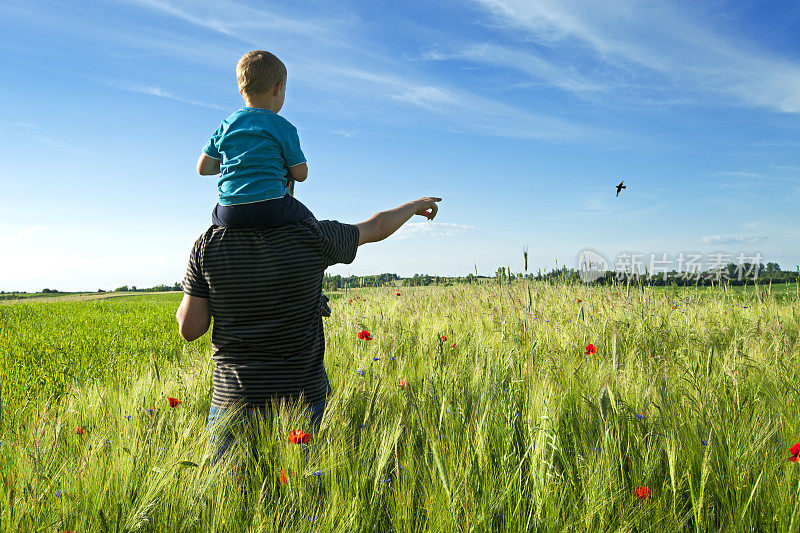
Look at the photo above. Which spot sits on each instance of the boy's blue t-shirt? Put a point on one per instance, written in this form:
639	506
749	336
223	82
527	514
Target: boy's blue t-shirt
255	148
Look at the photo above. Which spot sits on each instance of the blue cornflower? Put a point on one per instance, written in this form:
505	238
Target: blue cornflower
391	358
362	426
401	467
745	306
316	474
547	321
640	416
127	417
361	372
376	358
151	410
312	517
388	480
58	493
703	442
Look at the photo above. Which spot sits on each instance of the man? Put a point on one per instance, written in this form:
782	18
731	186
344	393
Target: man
263	288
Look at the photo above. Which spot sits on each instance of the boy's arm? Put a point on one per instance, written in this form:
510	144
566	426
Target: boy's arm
207	165
299	172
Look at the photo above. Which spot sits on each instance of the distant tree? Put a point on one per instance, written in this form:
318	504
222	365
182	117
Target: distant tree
124	288
100	290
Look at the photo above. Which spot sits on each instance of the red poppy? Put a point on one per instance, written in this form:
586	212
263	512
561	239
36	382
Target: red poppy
454	345
398	294
298	436
642	493
673	307
443	338
579	300
404	385
283	477
795	451
364	335
591	349
78	431
174	402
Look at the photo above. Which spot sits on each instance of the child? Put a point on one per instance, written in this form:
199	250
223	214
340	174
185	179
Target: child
257	152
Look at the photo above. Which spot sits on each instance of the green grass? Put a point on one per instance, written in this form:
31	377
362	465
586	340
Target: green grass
693	393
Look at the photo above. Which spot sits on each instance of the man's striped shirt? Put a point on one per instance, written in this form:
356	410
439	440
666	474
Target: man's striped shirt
264	288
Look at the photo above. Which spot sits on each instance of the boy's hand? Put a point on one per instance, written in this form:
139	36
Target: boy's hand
427	207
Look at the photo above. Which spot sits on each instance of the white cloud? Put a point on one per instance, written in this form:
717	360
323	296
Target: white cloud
431	97
342	133
733	239
431	229
545	71
155	91
654	44
364	70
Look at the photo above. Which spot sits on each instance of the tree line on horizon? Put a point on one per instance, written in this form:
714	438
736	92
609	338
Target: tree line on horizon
766	273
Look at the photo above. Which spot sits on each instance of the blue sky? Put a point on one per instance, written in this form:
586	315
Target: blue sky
522	115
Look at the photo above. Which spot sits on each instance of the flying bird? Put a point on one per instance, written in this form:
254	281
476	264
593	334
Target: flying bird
620	187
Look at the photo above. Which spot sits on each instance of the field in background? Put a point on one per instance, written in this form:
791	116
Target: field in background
508	424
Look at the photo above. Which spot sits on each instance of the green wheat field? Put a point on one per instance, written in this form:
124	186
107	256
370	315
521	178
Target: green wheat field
681	421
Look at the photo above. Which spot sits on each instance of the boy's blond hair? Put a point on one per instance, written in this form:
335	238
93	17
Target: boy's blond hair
259	72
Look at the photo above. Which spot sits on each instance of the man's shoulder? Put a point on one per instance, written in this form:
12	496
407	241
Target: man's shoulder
311	227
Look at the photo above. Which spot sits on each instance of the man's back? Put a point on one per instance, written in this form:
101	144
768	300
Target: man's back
264	289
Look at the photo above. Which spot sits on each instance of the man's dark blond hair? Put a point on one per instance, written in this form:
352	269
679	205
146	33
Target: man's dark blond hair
259	72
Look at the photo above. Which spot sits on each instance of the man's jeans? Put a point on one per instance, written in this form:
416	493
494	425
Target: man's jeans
222	439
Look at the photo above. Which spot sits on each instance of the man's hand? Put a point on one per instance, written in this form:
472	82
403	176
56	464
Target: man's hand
385	223
427	207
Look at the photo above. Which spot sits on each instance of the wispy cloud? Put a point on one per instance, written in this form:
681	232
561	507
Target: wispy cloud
543	71
431	229
653	44
733	239
155	91
363	70
342	133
